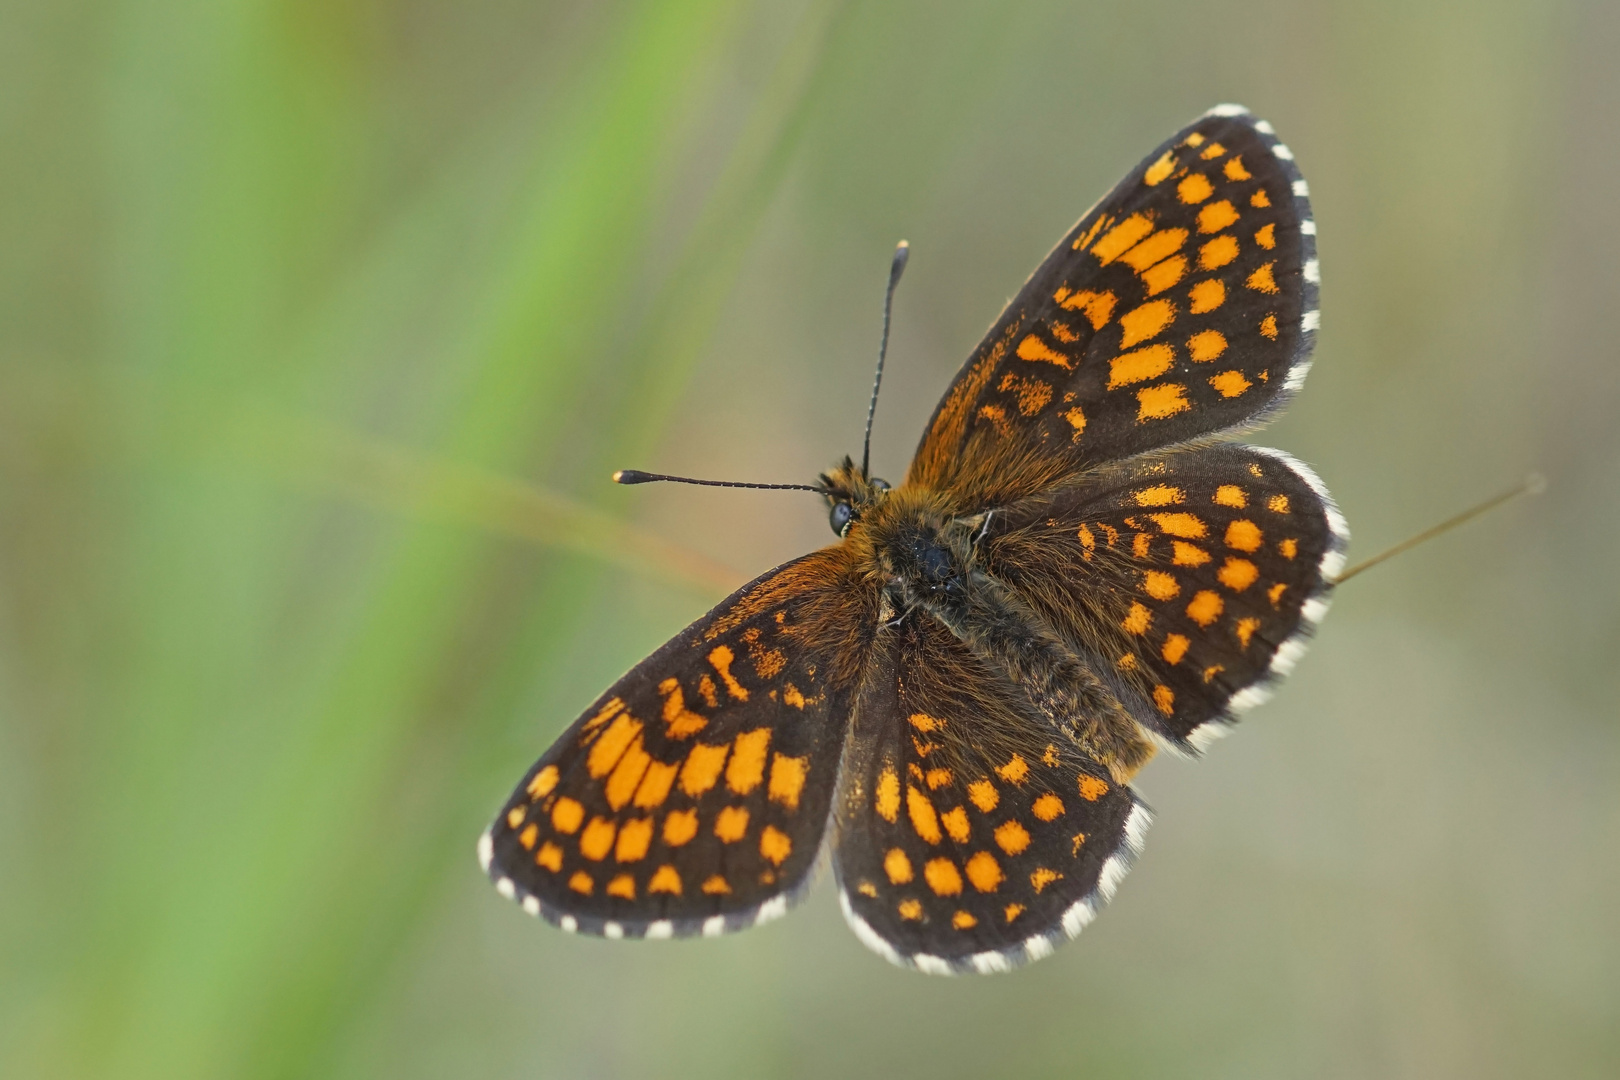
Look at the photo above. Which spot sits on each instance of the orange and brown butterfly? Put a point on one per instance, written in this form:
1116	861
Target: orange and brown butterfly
955	696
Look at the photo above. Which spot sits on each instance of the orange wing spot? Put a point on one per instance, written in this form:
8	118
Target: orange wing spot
597	839
1243	535
1098	307
731	824
1063	332
1087	541
1288	548
887	798
1213	151
680	721
984	872
1188	555
1144	322
1086	237
1042	877
515	816
1268	327
1013	911
1195	139
1237	574
612	743
655	784
1206	345
1206	296
787	780
607	712
706	690
665	880
1231	495
1266	236
1216	216
1091	788
923	818
544	781
1229	383
1160	169
963	920
1164	275
1033	395
1158	495
997	416
1277	504
627	775
567	815
1012	837
1274	594
1033	348
938	778
1175	647
529	836
721	659
956	824
550	856
1260	199
581	883
1049	756
1234	170
1159	402
768	663
1126	662
716	885
1194	188
866	888
911	910
1111	532
1246	629
943	877
1139	545
702	768
680	826
1205	607
1048	807
791	695
925	723
623	886
1139	366
1160	585
747	767
1186	526
1261	280
983	794
1218	252
915	770
897	866
1015	770
1164	699
775	845
1156	248
1211	672
1077	420
634	839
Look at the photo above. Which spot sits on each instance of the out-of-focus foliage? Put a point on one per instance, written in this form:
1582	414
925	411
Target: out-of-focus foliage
322	325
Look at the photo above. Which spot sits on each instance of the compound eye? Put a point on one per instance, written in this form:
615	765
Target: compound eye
840	518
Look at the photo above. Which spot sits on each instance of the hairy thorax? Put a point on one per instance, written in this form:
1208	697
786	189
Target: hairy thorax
921	556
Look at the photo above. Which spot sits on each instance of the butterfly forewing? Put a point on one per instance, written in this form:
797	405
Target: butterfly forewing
971	836
692	796
1193	578
1182	305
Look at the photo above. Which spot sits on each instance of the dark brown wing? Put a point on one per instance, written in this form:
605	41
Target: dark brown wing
1196	578
971	836
1181	306
692	796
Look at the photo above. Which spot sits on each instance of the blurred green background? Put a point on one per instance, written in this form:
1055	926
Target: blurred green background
323	323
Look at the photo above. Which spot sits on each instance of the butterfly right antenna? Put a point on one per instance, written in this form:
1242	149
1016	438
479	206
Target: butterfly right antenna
896	268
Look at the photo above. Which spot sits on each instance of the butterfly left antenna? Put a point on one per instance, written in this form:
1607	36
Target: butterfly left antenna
896	268
636	476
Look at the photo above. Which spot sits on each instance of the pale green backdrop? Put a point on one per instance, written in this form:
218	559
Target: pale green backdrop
322	323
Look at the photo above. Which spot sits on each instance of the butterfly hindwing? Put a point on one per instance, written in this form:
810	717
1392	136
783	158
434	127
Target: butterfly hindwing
969	835
692	796
1195	578
1182	305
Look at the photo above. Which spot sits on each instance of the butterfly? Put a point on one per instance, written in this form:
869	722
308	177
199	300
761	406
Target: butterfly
953	699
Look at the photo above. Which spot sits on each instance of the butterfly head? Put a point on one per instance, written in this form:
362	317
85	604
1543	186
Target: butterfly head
851	494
